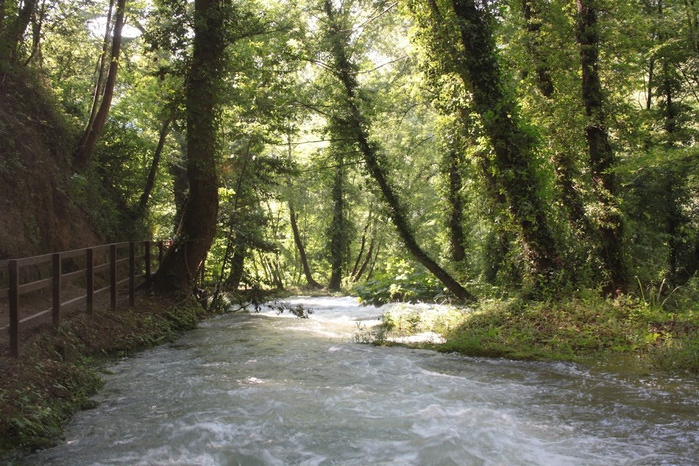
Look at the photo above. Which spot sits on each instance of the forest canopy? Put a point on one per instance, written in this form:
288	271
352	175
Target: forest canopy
416	149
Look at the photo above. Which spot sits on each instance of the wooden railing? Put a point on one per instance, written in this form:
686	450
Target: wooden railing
74	278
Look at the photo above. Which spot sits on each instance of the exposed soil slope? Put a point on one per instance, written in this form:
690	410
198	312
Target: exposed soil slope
36	213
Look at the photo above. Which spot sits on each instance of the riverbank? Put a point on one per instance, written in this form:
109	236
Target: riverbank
586	329
58	370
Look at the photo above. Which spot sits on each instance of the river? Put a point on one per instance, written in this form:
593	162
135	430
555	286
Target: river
268	389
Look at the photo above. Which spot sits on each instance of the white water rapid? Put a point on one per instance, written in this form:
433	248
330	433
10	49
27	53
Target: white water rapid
268	389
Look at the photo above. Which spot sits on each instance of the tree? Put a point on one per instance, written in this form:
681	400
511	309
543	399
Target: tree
199	219
103	94
533	24
601	154
452	166
339	226
354	123
293	221
470	51
298	241
157	155
14	19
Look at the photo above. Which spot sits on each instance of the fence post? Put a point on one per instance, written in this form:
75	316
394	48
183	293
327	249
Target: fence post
13	295
113	275
132	274
90	279
56	289
146	255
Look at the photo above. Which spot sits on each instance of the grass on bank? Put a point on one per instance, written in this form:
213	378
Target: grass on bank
578	329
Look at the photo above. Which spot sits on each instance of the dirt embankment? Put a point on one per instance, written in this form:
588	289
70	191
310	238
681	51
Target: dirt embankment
37	214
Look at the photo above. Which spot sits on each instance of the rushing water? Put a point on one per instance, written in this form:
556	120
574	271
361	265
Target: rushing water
263	389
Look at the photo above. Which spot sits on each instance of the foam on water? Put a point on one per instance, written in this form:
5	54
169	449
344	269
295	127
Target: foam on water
266	389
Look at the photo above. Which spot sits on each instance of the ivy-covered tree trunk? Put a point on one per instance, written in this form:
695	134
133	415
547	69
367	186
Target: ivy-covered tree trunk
198	225
457	238
601	155
357	126
513	148
533	24
566	162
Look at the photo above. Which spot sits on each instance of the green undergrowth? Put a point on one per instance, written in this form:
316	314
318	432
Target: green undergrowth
404	284
58	370
585	328
580	329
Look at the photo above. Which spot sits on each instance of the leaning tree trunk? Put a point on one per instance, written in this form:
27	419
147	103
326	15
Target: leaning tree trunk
358	127
362	246
601	155
198	225
155	163
360	268
295	230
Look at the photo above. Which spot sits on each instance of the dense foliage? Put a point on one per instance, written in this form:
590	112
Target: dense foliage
427	149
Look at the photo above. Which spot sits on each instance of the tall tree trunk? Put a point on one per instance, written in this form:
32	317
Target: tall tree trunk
600	151
367	259
360	269
3	6
337	227
356	124
237	266
457	238
513	147
566	163
300	247
101	69
198	226
37	24
692	11
98	120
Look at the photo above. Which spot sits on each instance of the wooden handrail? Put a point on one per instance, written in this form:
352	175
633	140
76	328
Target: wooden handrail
140	265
